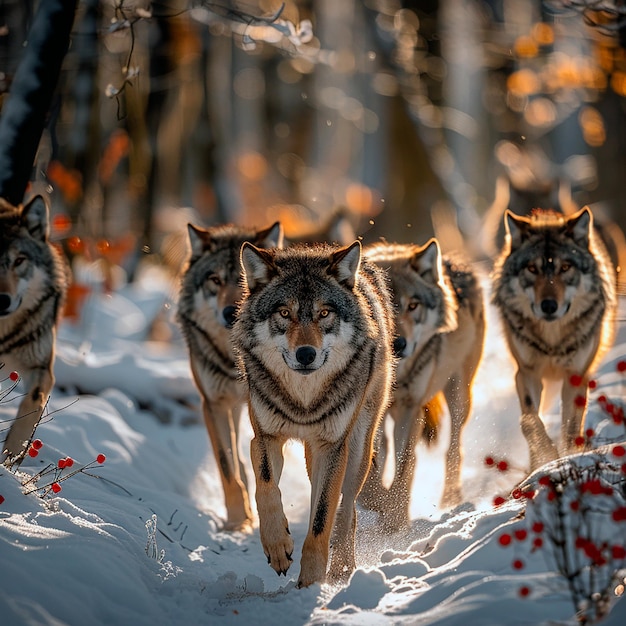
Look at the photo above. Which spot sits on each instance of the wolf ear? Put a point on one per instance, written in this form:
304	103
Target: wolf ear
345	263
579	226
427	261
257	264
199	239
271	237
515	227
35	218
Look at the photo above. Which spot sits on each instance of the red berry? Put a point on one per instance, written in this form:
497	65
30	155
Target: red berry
581	543
101	458
590	433
602	399
579	441
521	534
14	376
69	461
32	452
55	487
498	500
574	505
624	468
503	466
37	444
537	542
592	384
580	401
61	463
619	451
1	499
575	380
518	564
538	527
621	366
524	591
619	514
545	481
489	460
505	539
516	493
618	552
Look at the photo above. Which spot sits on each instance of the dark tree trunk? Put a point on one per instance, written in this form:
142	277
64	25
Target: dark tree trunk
24	114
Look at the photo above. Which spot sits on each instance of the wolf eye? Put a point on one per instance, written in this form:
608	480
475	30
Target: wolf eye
215	279
413	305
565	267
324	313
284	313
532	268
18	261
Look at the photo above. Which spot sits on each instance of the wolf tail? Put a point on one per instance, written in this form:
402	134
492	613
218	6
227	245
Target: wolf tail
433	411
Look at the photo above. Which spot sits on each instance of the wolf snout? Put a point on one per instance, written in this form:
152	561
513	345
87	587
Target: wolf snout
305	355
549	306
230	315
5	303
399	346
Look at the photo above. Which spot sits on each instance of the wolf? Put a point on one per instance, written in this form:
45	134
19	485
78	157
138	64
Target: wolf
314	342
209	293
33	284
554	287
440	331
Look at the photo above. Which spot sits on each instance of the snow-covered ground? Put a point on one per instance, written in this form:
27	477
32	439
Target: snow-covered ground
137	539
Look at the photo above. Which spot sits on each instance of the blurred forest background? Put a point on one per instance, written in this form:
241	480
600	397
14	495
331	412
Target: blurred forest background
416	117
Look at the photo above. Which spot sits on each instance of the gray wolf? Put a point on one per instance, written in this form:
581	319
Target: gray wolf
209	293
33	284
440	329
554	288
314	341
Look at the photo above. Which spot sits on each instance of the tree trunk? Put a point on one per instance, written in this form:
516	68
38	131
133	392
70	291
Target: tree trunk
24	114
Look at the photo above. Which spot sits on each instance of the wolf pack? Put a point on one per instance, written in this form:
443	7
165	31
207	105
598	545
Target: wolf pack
324	341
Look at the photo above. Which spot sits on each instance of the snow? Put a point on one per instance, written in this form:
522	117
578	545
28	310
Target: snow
137	539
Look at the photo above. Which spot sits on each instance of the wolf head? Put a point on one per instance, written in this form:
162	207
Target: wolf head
424	304
548	265
301	312
212	281
25	256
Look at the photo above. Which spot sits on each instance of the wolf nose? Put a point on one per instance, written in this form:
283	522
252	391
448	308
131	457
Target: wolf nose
230	315
305	355
5	301
399	344
549	306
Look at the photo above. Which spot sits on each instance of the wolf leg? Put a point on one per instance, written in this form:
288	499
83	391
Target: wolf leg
373	496
574	404
38	384
266	453
541	448
220	424
408	427
328	468
343	559
458	396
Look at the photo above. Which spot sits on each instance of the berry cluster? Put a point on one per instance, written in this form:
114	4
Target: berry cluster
48	481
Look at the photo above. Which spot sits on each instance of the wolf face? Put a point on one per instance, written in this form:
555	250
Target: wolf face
424	304
24	257
313	336
33	281
552	263
213	276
